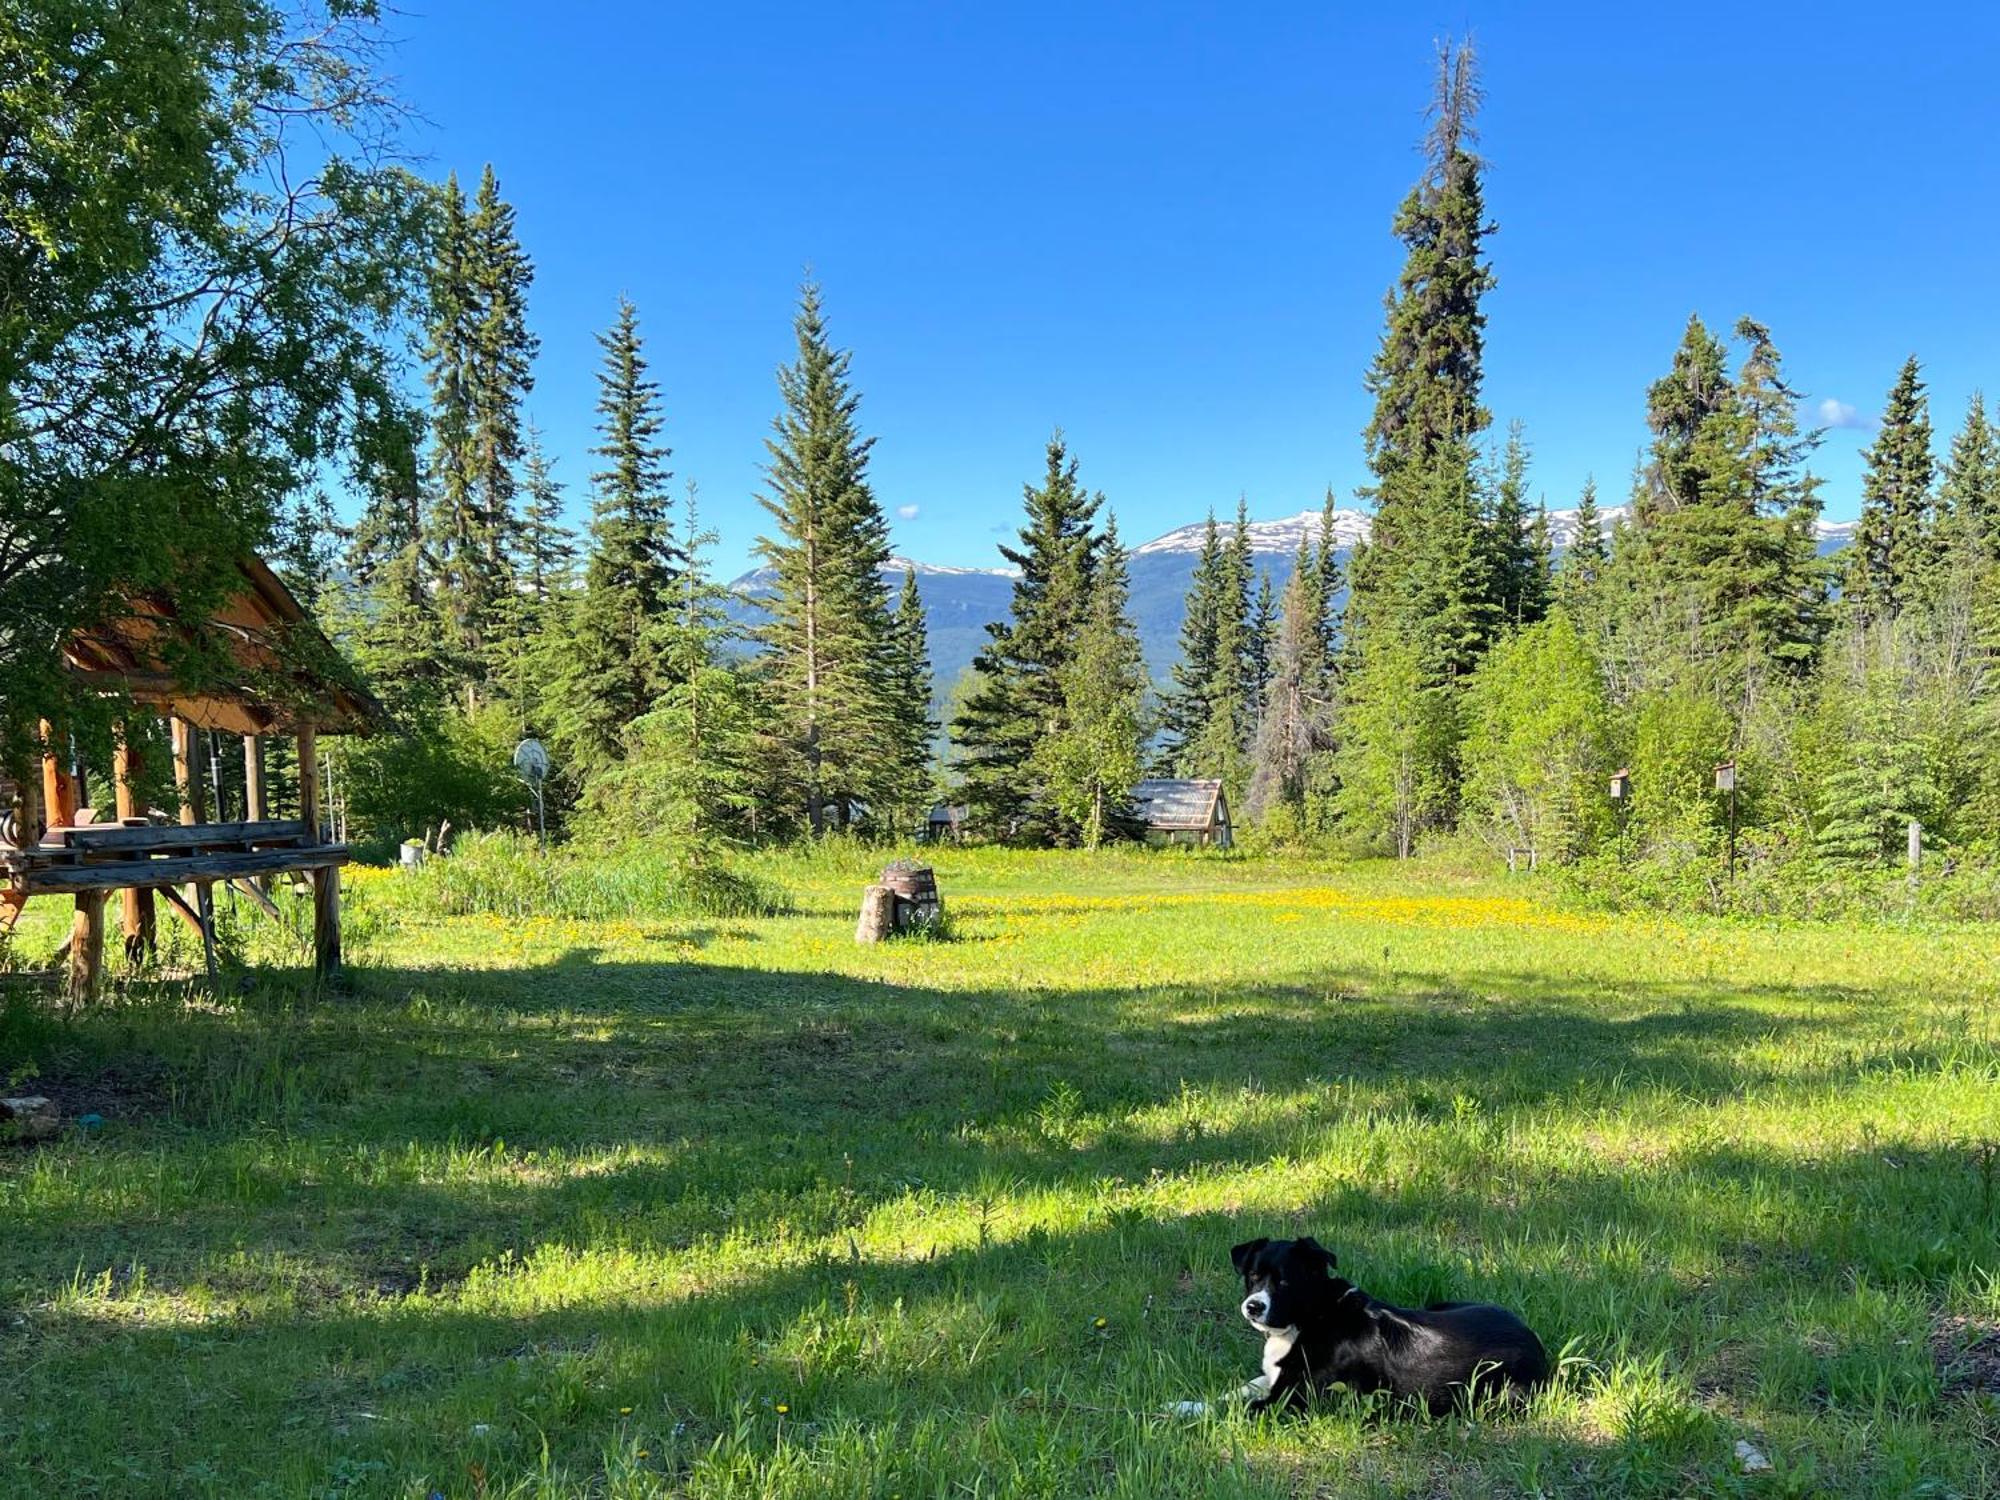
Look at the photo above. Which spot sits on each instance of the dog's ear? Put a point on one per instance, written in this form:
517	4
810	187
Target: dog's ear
1327	1259
1246	1252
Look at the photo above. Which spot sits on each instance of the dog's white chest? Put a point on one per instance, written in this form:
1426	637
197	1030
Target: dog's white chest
1276	1347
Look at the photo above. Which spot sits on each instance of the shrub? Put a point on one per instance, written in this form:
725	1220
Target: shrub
506	874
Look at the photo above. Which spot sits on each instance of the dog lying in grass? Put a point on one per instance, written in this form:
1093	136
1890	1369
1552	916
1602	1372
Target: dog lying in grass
1321	1331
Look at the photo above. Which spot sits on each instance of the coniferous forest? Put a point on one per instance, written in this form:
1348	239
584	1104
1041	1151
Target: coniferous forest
338	371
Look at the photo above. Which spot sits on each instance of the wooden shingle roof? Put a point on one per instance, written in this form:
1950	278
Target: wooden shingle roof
1172	805
266	666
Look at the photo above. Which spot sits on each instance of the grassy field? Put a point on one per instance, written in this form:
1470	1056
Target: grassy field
642	1207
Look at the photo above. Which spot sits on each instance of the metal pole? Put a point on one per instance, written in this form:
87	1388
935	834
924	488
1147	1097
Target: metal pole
1732	827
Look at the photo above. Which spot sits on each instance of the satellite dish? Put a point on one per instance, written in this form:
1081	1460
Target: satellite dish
532	761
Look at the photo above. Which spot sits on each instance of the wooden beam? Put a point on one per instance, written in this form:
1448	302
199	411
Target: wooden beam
181	909
309	781
135	905
86	946
201	868
109	838
257	896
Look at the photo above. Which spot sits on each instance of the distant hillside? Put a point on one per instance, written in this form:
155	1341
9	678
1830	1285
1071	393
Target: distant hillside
959	602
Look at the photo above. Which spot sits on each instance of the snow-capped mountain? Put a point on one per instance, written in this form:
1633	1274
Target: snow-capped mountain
1266	537
1562	527
959	602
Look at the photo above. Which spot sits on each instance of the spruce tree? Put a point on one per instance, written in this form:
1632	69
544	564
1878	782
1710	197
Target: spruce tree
1715	577
1263	635
547	546
689	762
1018	700
457	539
479	358
1090	766
499	273
1296	720
1326	583
1426	577
1185	712
828	639
1969	490
1518	590
613	671
1230	697
908	798
1583	560
1897	546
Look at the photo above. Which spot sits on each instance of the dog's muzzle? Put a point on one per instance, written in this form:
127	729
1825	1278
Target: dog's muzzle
1256	1308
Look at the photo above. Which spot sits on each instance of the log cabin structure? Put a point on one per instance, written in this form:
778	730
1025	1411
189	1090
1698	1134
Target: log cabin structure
254	666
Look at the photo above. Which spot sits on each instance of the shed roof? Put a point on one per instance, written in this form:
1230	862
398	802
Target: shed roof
267	664
1168	804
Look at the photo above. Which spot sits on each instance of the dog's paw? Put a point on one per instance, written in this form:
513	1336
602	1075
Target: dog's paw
1188	1409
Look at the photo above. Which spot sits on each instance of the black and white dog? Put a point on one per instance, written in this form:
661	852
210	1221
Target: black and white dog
1321	1331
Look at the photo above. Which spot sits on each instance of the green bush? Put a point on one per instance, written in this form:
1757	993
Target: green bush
506	874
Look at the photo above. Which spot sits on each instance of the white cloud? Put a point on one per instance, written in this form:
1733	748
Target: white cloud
907	512
1834	413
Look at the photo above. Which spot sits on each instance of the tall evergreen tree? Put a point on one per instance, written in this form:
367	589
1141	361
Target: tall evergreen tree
1230	697
1583	560
1425	576
907	800
689	762
1327	581
1184	714
1969	491
548	547
1716	581
1897	546
827	642
499	273
1018	700
612	670
1296	721
1518	589
1090	766
1263	636
479	359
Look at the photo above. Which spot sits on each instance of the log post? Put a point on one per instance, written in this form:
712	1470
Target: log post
187	776
326	919
255	806
58	786
878	914
309	781
86	946
325	879
135	907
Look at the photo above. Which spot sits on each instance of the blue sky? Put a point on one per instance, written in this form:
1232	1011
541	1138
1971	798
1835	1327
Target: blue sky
1165	227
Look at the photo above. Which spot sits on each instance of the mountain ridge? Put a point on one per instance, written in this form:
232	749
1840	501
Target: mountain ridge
960	602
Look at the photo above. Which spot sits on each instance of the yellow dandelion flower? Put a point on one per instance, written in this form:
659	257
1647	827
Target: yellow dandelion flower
624	1411
783	1409
1102	1323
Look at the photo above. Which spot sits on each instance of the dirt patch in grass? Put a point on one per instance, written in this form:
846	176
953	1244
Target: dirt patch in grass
1967	1351
126	1090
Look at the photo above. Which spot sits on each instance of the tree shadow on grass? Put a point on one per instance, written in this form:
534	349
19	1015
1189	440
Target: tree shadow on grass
324	1160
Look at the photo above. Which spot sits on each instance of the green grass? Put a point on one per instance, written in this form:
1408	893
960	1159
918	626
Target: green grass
731	1206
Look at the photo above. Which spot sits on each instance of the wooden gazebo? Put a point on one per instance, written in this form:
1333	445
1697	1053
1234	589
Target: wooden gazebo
265	669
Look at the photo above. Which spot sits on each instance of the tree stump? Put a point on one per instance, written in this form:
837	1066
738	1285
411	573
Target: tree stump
918	903
878	914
